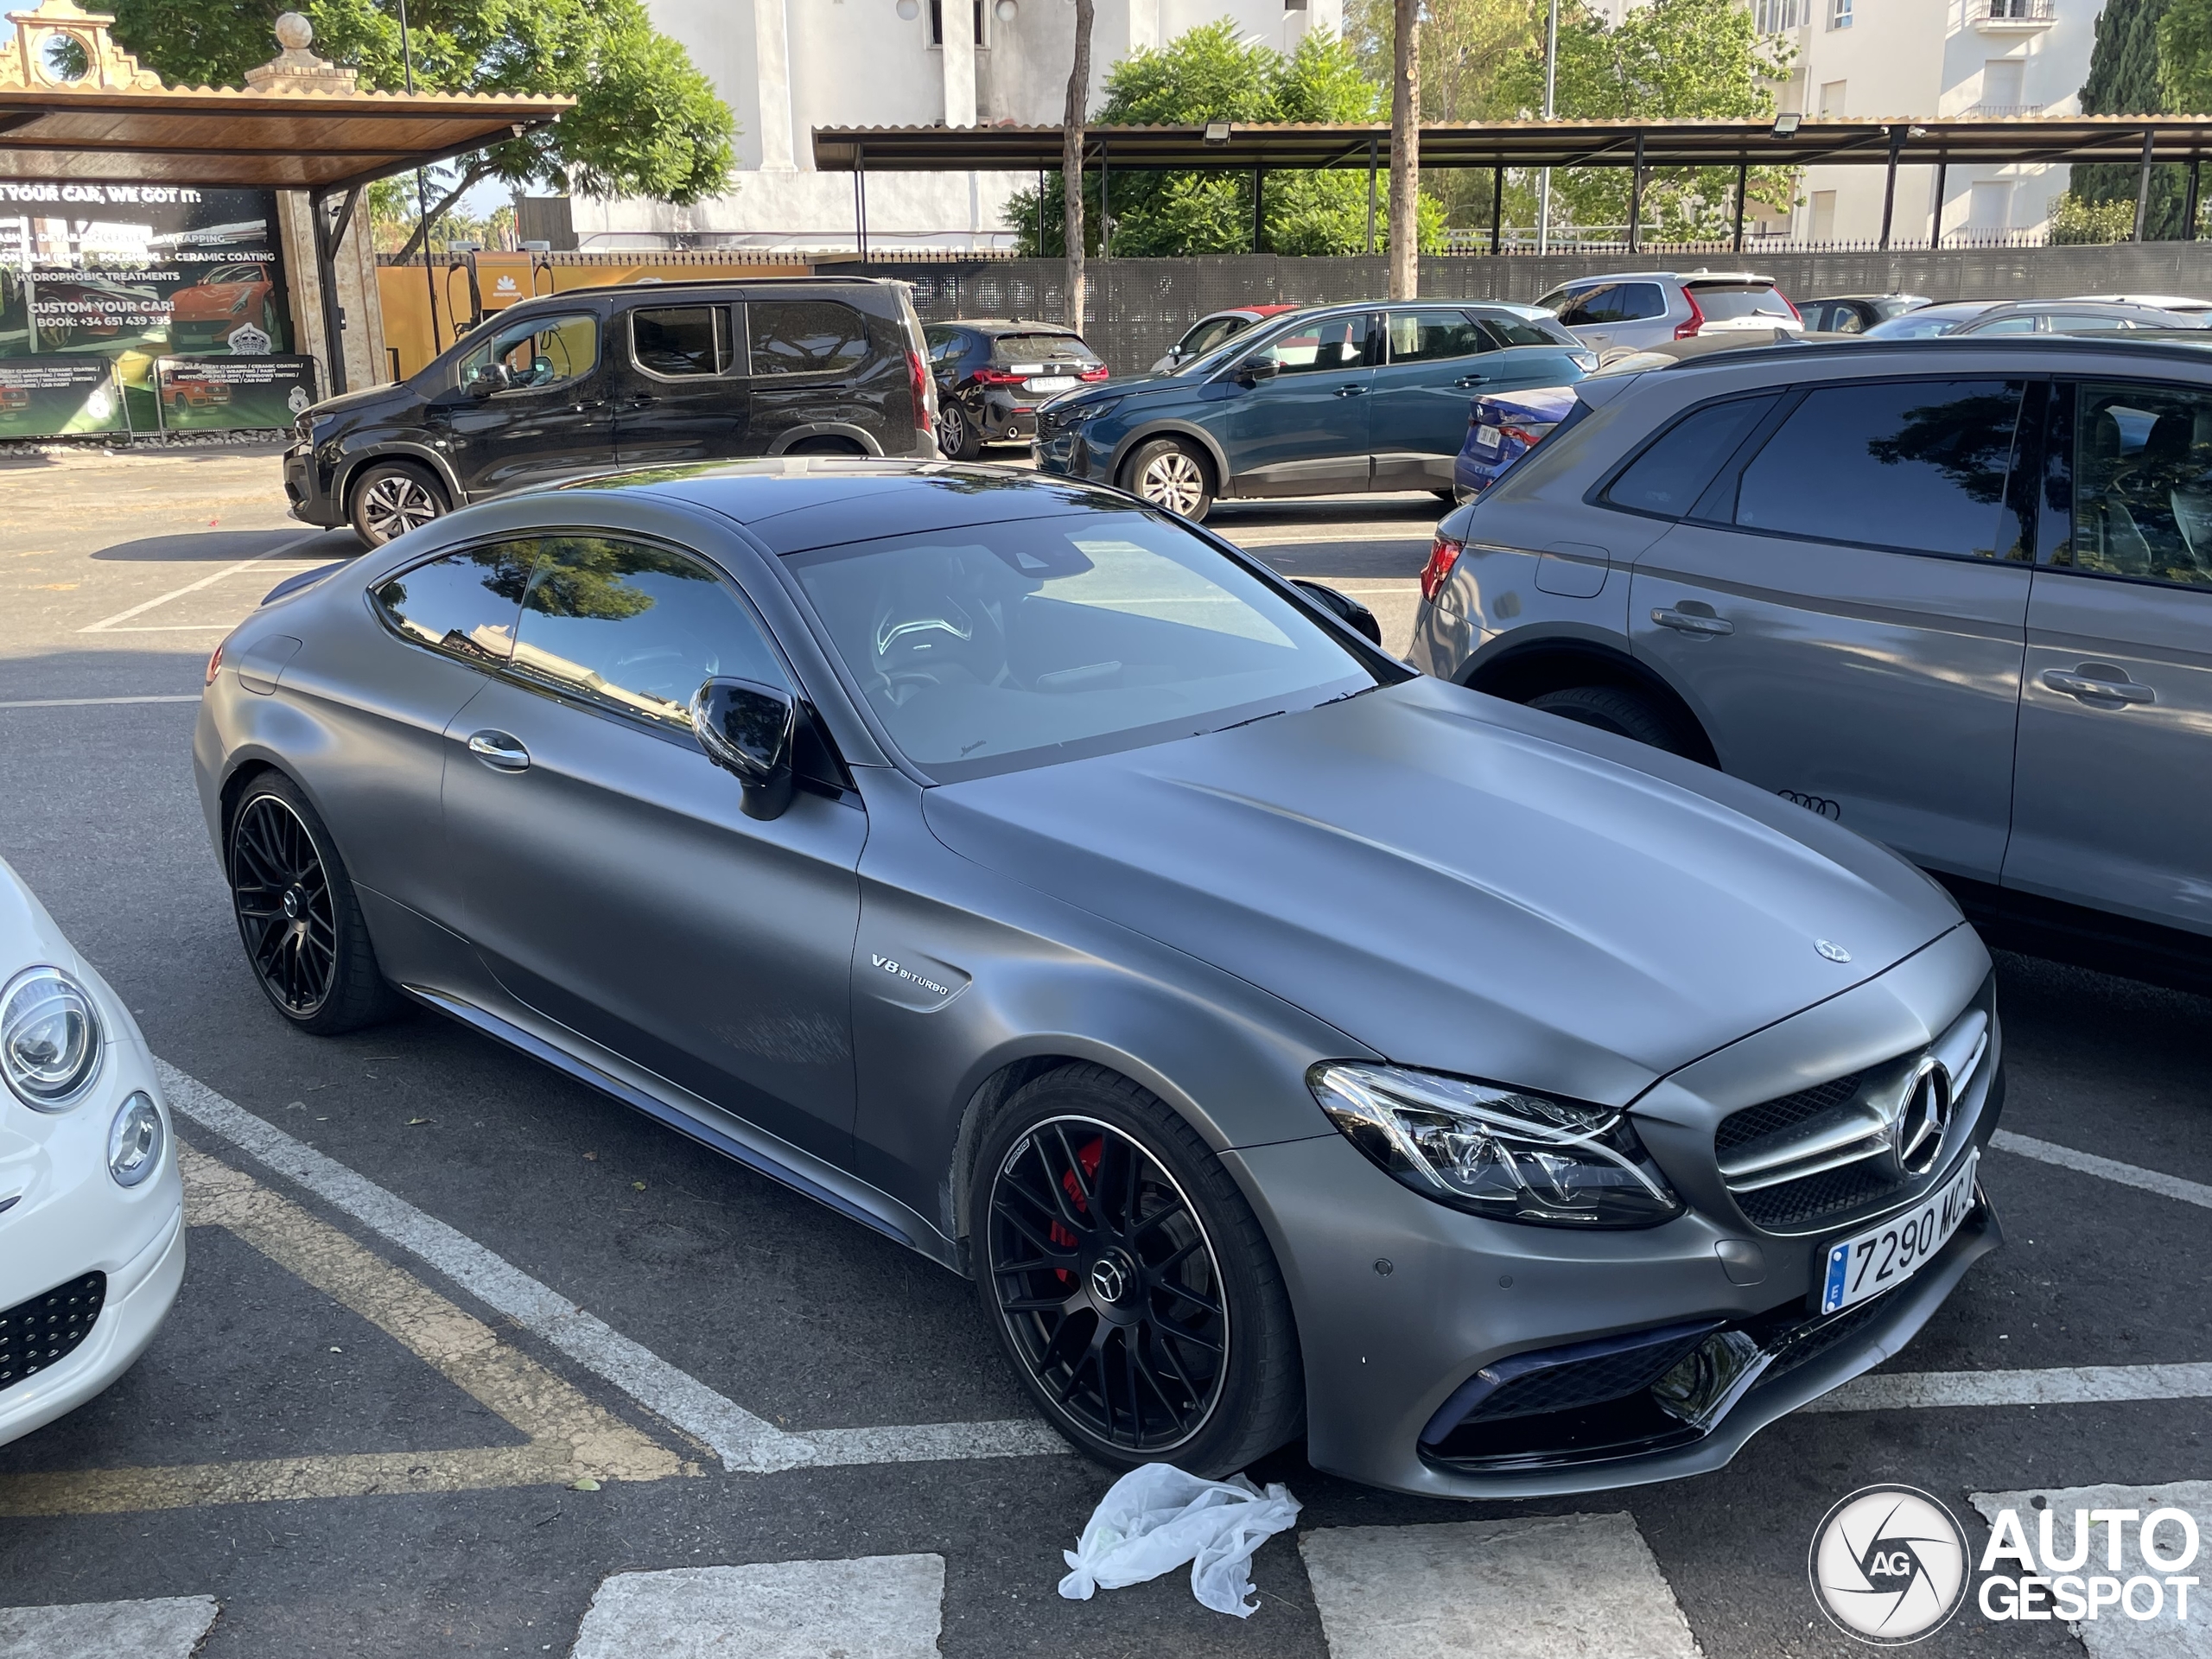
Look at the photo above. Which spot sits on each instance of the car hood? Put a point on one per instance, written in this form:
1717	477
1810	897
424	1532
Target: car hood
27	935
369	402
1463	884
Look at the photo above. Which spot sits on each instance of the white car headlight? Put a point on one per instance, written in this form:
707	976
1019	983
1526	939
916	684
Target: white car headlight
135	1141
50	1038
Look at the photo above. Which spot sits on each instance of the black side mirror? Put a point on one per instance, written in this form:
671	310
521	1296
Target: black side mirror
749	728
1254	370
492	378
1360	619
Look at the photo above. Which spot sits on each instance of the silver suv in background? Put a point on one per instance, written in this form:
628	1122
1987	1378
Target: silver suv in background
1646	308
1954	593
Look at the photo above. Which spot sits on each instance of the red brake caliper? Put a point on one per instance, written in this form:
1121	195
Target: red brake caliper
1088	1157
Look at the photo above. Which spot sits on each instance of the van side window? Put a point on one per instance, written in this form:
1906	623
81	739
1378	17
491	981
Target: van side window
1674	470
2142	484
681	340
805	336
1916	464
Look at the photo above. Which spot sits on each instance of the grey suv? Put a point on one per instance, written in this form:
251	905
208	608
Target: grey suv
1642	308
1954	593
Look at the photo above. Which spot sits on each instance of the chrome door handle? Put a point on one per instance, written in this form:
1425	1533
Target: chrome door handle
1688	622
1350	391
1472	381
499	752
2081	686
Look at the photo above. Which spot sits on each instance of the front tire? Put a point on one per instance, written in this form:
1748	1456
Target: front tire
297	914
391	498
1170	474
1128	1281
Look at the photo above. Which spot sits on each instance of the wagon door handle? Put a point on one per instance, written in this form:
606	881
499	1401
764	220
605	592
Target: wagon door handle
1688	622
1350	391
1472	381
2089	688
499	752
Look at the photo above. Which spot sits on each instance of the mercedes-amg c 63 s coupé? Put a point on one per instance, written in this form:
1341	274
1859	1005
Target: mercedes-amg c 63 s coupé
1283	1041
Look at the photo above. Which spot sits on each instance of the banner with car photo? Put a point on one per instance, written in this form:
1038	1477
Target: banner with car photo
130	273
230	394
57	397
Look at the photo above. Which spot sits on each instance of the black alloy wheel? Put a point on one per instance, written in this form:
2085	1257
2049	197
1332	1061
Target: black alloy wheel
1108	1285
297	914
955	433
392	498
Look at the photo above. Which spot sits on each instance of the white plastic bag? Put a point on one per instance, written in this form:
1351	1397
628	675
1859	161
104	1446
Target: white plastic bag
1158	1517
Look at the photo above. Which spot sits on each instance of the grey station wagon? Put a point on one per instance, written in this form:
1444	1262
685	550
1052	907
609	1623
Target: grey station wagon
1955	594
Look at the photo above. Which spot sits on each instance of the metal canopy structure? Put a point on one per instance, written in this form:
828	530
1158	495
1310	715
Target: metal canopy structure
91	114
1784	141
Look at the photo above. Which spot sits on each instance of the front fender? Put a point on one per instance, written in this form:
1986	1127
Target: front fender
1173	427
377	449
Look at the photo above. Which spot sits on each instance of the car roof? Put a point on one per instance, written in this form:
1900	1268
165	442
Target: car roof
1830	299
1684	277
794	502
1006	326
1858	347
697	284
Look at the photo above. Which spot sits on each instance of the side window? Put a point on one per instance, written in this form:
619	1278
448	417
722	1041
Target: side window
1329	346
1672	471
1207	335
946	345
805	336
681	340
536	351
1506	329
464	604
1431	336
2142	484
627	626
1590	305
1634	301
2015	325
1916	464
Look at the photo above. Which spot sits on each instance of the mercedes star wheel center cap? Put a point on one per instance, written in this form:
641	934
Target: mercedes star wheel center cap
1108	1282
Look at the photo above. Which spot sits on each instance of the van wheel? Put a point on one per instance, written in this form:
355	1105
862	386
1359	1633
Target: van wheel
1616	709
393	497
1129	1281
1169	474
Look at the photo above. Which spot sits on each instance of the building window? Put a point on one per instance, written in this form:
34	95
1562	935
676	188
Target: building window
1989	208
1832	95
1838	14
1778	17
1823	215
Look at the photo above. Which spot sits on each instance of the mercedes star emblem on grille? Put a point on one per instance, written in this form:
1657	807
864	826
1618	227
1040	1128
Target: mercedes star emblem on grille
1922	1117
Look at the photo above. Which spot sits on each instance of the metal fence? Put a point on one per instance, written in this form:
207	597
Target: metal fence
1136	309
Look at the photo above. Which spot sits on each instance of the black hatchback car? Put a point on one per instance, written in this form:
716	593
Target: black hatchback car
992	376
642	375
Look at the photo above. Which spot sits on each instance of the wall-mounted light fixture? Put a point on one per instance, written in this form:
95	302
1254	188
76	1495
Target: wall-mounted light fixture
910	9
1216	132
1785	124
1006	11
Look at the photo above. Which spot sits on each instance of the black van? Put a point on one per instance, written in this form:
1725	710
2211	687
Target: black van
641	375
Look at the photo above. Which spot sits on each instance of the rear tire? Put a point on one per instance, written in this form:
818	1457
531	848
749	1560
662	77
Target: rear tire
392	498
956	439
1617	709
297	913
1128	1281
1170	474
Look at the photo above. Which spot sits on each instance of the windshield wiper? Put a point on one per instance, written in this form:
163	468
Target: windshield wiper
1233	724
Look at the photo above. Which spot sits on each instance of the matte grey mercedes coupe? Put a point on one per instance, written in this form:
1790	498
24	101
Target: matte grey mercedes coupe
1283	1041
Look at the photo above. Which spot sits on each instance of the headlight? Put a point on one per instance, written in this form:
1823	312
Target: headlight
135	1141
49	1038
1082	412
1497	1151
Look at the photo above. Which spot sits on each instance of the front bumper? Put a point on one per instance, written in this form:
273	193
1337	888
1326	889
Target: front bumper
1400	1301
307	489
1067	451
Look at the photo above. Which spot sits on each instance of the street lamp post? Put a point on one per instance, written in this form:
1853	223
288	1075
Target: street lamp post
421	189
1551	99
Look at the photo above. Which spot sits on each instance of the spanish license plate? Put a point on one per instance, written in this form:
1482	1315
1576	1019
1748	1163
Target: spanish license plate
1050	382
1885	1256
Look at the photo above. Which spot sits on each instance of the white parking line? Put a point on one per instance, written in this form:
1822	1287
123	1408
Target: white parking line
875	1607
107	623
91	702
742	1442
1565	1587
2065	1385
2150	1180
2112	1634
169	1627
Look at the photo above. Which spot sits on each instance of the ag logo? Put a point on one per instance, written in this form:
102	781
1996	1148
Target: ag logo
298	403
246	340
1888	1566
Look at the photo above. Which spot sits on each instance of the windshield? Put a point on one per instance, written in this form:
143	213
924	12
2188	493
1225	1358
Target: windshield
999	647
1924	324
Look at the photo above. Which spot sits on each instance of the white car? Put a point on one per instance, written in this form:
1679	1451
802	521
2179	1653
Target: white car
91	1210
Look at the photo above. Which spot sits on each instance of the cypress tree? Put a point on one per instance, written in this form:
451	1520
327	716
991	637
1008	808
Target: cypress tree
2124	80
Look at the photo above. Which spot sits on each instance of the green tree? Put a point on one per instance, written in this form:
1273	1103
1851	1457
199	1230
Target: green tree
1673	60
1211	74
2125	78
647	122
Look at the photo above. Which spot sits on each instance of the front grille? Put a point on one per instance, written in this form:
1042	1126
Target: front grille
48	1328
1831	1193
1738	1129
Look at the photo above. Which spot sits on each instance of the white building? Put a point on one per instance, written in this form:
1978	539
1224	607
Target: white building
786	66
1874	59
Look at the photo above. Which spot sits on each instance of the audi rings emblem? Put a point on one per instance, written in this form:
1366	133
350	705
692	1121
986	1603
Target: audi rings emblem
1923	1115
1818	804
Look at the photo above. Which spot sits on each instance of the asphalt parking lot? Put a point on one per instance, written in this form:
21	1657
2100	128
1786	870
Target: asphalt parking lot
471	1360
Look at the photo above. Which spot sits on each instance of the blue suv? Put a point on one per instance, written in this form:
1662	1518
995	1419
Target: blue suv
1328	401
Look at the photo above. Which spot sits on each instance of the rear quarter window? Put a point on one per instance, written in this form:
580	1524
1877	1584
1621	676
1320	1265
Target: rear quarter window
806	337
1674	470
